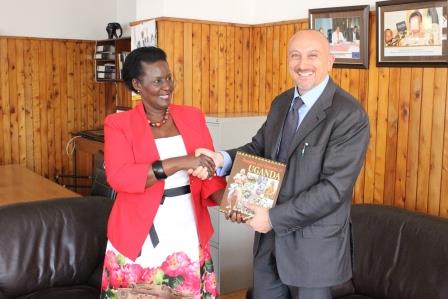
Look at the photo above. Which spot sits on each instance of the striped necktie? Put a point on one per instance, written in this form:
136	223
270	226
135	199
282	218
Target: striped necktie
289	129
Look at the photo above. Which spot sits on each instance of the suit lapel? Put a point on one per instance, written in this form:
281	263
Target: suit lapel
314	116
277	127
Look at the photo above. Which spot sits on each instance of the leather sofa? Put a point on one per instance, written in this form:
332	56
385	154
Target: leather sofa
397	254
53	248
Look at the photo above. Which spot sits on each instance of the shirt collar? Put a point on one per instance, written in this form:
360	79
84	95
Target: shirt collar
311	96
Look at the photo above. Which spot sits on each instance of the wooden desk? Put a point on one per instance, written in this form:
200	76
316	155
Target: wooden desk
19	184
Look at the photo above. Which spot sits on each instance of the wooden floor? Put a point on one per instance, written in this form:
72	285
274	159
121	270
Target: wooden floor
235	295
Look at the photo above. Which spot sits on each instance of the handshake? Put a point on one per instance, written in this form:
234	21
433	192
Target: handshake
208	162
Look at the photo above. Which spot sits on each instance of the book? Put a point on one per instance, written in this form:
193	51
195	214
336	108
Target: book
105	55
107	67
105	48
254	180
104	75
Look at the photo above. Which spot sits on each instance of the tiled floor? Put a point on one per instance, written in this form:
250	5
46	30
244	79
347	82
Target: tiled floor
235	295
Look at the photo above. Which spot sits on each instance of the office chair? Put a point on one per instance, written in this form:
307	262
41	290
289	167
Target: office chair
99	184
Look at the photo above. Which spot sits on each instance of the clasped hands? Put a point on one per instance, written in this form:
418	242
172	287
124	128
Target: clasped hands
260	221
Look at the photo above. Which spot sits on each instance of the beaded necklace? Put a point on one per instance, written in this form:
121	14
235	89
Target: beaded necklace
159	124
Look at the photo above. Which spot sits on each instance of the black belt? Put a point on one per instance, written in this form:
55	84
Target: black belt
172	192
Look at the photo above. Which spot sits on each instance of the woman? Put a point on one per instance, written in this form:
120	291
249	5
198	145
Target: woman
159	226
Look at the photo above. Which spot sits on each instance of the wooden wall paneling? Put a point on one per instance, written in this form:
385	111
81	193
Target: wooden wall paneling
57	110
166	41
35	75
424	155
196	65
247	74
402	137
63	108
85	83
239	86
256	32
413	139
49	109
355	76
77	85
89	65
20	67
188	64
391	139
43	99
28	106
4	91
262	71
230	70
214	68
179	62
372	111
205	67
275	90
291	31
444	182
381	136
222	47
345	79
13	100
70	95
435	174
268	68
283	56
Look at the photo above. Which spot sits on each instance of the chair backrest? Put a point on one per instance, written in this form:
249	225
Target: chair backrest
56	242
399	254
99	184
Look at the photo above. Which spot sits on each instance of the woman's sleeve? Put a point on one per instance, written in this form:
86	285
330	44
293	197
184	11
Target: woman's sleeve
215	183
123	173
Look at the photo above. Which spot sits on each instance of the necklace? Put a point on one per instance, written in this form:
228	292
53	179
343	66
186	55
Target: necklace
159	124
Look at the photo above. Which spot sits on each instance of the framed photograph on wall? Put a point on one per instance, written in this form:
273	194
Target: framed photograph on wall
347	31
411	33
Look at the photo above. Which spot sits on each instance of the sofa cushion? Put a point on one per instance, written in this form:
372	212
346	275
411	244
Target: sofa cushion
399	254
51	243
74	292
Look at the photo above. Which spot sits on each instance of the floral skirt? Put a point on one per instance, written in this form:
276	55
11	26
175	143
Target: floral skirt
177	262
192	279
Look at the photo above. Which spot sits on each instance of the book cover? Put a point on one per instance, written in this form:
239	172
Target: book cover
254	180
107	67
105	75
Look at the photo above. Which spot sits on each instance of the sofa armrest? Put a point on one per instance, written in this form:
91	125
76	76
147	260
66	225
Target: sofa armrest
95	278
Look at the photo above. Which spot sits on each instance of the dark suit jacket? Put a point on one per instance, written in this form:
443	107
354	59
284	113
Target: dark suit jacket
311	219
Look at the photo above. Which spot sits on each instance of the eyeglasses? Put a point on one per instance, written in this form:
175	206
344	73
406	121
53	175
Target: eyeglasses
159	82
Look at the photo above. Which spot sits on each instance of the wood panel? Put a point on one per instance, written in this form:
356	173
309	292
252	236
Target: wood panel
47	91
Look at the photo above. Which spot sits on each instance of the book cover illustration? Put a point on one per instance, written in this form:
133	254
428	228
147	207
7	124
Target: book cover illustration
252	180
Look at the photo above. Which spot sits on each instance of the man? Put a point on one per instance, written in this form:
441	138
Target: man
352	34
417	35
337	37
302	245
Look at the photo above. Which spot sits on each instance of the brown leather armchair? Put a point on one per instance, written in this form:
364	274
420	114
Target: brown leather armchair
53	249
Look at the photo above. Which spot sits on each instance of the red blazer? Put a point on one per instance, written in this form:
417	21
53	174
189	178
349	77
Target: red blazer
129	151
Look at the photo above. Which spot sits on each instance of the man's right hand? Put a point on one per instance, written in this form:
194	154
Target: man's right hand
216	156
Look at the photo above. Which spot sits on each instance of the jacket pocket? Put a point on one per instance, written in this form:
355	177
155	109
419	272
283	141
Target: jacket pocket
321	231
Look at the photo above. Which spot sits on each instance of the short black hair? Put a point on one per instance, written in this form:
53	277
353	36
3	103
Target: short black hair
416	14
132	67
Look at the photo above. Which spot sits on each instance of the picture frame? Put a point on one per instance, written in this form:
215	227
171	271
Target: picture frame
347	30
411	33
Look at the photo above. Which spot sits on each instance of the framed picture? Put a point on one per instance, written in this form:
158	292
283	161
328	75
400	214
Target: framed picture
411	33
347	31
